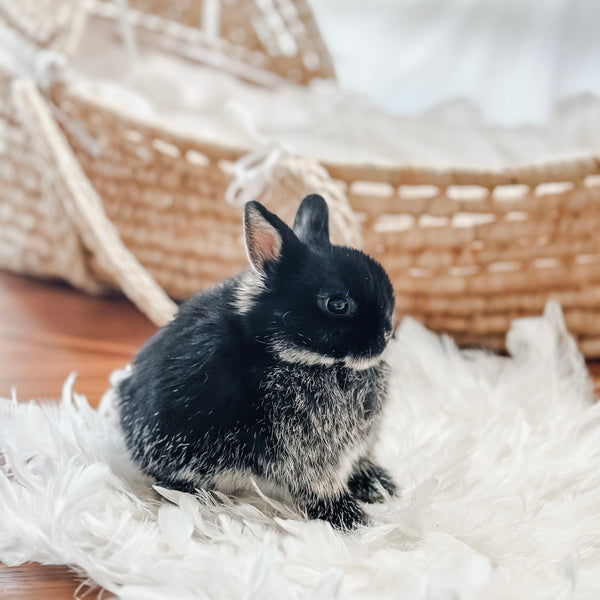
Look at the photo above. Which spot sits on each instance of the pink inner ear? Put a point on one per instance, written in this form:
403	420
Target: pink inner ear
268	243
264	243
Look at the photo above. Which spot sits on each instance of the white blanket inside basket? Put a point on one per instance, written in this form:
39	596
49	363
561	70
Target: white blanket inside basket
512	60
320	121
498	460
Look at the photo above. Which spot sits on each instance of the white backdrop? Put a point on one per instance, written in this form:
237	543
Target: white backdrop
512	59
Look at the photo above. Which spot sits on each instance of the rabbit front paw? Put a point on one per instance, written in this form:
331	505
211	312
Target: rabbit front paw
371	483
343	512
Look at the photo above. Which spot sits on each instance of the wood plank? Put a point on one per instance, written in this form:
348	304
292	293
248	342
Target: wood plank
44	582
48	330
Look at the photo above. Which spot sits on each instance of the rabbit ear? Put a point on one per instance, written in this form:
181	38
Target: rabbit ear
266	234
311	224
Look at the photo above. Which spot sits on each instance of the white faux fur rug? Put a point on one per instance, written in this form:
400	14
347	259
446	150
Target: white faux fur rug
498	459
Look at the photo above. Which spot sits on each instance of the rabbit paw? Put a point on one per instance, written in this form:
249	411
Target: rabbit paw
370	483
343	512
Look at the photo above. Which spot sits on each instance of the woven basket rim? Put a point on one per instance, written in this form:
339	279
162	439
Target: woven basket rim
570	167
574	167
162	129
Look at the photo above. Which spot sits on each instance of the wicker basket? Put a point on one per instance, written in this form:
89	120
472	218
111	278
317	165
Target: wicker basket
99	198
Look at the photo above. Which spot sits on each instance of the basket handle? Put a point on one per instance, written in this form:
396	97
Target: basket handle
84	208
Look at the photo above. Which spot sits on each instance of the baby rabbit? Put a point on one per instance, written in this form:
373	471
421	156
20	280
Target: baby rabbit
276	373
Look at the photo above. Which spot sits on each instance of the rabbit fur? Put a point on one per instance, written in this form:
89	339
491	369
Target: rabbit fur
275	374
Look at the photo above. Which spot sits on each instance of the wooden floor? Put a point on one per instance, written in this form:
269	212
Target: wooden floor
48	330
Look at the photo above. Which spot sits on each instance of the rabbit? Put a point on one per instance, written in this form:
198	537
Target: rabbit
275	374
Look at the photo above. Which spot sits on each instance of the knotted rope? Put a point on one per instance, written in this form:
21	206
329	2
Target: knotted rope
273	174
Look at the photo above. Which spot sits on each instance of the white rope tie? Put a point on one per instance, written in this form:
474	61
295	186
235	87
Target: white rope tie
48	66
273	161
22	58
253	172
44	67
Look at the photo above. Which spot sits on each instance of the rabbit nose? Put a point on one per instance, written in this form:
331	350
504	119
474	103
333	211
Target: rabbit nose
389	330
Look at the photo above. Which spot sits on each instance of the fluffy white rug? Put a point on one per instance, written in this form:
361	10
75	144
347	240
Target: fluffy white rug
497	458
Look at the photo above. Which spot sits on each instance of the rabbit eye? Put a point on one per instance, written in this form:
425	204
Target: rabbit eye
340	305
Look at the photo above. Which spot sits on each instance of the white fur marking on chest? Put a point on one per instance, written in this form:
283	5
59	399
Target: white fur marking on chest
302	356
360	364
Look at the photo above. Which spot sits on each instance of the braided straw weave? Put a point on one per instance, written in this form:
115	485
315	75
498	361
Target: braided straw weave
101	198
274	36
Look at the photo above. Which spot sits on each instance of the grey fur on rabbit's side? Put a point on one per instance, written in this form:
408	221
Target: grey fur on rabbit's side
276	373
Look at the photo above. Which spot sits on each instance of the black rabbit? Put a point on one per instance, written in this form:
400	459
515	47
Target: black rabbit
276	373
